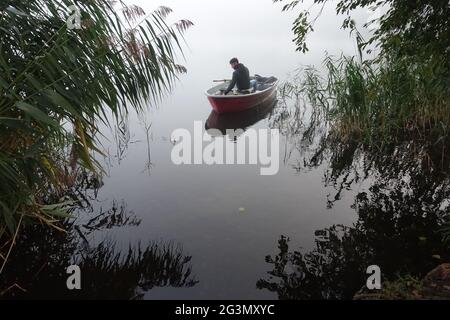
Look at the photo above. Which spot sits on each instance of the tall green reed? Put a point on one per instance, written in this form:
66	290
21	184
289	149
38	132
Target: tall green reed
379	101
58	84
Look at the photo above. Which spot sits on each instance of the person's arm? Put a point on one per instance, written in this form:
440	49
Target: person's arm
232	84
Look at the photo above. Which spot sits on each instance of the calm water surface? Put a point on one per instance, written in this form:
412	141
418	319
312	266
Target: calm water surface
198	206
227	219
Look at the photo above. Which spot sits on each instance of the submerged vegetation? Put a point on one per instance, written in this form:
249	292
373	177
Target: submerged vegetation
64	70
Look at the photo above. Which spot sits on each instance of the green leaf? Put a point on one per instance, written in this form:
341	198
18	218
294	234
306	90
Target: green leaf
15	11
7	215
36	113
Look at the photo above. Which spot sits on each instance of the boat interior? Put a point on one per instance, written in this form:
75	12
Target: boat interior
262	84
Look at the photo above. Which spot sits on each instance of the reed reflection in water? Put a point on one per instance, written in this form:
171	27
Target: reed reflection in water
400	212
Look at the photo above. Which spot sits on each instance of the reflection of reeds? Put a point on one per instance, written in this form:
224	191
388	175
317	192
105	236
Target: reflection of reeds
36	268
400	220
135	271
122	138
116	216
148	134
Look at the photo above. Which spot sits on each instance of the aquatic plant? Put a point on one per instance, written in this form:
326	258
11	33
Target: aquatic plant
380	102
66	67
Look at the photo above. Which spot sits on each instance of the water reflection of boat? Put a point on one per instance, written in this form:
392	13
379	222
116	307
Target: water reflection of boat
241	120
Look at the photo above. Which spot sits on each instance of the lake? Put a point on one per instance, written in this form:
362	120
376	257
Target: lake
206	232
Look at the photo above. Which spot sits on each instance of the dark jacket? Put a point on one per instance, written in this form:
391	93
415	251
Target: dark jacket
241	78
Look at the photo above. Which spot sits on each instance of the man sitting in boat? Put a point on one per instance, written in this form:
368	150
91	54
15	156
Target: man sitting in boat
241	78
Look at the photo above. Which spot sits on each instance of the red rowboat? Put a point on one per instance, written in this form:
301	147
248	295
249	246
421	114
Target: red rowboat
236	102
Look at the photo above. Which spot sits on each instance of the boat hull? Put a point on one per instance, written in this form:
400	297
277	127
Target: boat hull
227	104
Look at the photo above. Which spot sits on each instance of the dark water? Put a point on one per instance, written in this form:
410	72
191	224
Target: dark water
150	229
